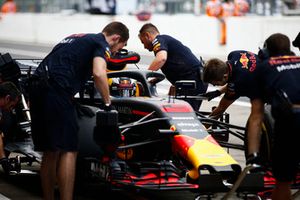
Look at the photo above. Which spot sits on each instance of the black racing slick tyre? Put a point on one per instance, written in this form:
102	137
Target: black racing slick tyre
267	137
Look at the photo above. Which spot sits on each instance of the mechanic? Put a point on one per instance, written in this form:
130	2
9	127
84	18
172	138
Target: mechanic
9	98
174	59
9	6
235	76
242	7
279	75
277	72
228	8
62	74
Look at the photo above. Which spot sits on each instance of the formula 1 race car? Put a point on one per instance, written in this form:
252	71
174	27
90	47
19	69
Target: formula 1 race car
156	143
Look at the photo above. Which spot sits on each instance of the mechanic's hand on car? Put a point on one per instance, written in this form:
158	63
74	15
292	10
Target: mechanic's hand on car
211	95
152	81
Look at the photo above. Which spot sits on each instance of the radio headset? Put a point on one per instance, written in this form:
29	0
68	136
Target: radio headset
264	52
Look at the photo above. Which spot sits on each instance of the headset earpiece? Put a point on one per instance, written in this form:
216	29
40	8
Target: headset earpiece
263	53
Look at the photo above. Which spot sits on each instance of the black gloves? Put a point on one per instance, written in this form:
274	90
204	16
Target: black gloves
212	94
108	107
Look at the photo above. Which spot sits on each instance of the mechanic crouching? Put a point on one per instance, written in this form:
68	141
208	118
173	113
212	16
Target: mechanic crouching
9	98
61	75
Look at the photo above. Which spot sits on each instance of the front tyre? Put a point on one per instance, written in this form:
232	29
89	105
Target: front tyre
267	137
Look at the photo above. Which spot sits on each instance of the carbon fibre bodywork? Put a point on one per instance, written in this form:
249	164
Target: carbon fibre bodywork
162	145
157	143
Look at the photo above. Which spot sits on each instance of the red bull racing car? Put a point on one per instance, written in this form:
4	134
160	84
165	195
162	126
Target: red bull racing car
157	143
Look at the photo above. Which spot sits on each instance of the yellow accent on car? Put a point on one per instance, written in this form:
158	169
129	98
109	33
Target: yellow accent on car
204	152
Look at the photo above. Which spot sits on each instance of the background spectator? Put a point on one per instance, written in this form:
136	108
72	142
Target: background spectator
241	7
213	8
9	6
228	9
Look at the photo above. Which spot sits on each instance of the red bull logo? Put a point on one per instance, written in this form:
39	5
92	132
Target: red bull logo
253	62
244	60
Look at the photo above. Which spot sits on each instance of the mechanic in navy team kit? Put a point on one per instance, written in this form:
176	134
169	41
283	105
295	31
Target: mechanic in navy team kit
9	98
274	79
174	59
60	76
279	76
235	76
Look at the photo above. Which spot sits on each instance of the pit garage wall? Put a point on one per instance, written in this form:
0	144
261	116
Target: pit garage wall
251	32
200	33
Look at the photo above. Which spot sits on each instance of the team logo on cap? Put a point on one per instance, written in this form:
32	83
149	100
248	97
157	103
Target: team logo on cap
244	60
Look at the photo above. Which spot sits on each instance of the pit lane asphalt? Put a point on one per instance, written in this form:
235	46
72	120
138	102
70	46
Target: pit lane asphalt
27	186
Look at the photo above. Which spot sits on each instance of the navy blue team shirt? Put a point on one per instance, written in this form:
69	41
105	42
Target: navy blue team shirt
181	63
280	73
70	62
241	82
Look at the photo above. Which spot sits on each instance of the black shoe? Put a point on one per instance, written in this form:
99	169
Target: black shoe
6	166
